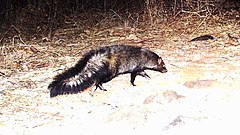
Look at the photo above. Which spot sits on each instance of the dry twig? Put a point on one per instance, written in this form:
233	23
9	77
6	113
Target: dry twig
2	74
16	29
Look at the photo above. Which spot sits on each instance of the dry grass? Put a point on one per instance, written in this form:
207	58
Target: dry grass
162	105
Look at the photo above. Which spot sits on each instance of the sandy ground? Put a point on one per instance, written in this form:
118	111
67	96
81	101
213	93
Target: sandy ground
199	95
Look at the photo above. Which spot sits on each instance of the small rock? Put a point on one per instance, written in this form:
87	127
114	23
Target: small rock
165	97
199	84
171	95
177	121
149	99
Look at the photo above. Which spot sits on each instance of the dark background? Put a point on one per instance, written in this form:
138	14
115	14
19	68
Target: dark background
44	17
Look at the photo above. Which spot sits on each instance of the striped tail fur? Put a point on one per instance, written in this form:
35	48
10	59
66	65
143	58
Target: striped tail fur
76	79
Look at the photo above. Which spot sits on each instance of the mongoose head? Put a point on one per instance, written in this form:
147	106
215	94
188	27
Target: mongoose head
157	64
161	67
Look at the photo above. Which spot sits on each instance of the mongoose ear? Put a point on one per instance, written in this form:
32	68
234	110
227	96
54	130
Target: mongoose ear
159	60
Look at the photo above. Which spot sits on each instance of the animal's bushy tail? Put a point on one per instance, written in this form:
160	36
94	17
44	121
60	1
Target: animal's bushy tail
72	80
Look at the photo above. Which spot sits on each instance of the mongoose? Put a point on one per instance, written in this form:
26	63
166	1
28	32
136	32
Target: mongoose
102	65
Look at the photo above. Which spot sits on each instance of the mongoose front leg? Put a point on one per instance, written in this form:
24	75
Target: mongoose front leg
134	74
143	74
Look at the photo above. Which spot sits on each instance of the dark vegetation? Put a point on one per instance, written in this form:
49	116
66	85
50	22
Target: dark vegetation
36	19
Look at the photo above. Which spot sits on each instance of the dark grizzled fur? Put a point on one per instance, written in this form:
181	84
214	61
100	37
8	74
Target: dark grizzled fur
203	37
102	65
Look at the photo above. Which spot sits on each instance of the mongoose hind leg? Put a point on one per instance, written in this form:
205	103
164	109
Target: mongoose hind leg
98	86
